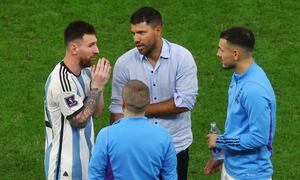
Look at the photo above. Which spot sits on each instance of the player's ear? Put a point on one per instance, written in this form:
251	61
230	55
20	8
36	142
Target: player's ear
158	29
123	104
73	48
236	54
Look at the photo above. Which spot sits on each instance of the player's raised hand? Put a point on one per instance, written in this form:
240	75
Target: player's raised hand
101	73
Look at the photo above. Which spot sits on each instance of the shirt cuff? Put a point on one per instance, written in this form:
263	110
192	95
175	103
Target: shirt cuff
116	109
179	102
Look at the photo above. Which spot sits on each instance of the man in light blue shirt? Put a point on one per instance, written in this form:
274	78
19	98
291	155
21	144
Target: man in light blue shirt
170	72
133	148
251	113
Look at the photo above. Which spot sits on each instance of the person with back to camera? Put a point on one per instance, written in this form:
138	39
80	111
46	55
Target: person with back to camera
132	147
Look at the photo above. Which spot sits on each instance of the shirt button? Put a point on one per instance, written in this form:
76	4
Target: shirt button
154	84
155	122
155	98
151	71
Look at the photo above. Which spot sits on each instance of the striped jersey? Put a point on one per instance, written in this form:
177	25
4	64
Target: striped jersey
67	149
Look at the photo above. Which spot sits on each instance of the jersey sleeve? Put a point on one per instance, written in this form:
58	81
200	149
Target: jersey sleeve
99	159
257	106
169	170
69	101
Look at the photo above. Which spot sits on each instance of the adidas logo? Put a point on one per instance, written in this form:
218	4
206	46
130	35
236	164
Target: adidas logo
66	174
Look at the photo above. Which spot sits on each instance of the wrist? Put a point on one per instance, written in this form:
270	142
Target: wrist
97	90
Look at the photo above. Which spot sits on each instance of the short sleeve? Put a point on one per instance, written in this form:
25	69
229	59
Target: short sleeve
70	103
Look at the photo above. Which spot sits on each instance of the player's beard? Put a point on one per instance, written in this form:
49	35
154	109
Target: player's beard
232	66
85	62
148	49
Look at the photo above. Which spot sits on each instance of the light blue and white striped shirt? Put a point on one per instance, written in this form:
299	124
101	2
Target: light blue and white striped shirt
67	149
174	76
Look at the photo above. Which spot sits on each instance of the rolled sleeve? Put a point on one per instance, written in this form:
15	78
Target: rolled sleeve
186	83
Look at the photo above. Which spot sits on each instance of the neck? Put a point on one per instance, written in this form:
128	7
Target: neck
244	64
72	63
132	114
155	54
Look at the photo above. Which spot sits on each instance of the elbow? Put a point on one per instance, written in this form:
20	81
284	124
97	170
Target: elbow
185	101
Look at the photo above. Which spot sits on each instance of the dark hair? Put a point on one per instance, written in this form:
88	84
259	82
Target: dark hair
239	36
136	96
76	30
148	15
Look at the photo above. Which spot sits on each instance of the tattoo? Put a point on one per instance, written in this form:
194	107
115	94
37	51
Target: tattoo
89	107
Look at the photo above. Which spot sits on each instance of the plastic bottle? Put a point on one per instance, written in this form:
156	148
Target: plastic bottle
217	154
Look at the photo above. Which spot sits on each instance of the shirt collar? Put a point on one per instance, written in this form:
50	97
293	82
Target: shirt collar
165	52
133	118
238	76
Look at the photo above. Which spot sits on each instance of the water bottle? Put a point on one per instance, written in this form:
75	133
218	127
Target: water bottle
217	154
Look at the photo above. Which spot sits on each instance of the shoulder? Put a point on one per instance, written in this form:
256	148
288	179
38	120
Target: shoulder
255	91
60	79
178	49
127	56
102	133
257	82
181	55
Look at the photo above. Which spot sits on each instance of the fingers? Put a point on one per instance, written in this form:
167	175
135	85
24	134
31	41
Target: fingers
103	65
212	166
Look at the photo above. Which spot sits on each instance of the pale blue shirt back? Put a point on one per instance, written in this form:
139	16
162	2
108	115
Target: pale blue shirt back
174	76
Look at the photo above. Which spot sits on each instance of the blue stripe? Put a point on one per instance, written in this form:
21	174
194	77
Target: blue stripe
76	165
46	165
87	133
109	175
270	135
80	79
46	95
49	148
88	72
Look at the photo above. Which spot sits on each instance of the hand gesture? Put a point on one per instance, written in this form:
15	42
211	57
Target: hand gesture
100	73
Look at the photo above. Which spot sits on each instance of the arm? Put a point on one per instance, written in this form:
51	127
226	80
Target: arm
100	105
169	170
80	120
257	107
99	160
99	78
185	93
164	108
212	166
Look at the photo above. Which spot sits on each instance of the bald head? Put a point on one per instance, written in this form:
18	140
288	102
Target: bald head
136	96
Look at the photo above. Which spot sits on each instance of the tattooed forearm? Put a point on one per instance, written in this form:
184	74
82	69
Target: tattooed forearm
90	105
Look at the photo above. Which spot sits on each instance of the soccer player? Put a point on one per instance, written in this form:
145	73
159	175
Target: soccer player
73	96
133	147
251	113
170	72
